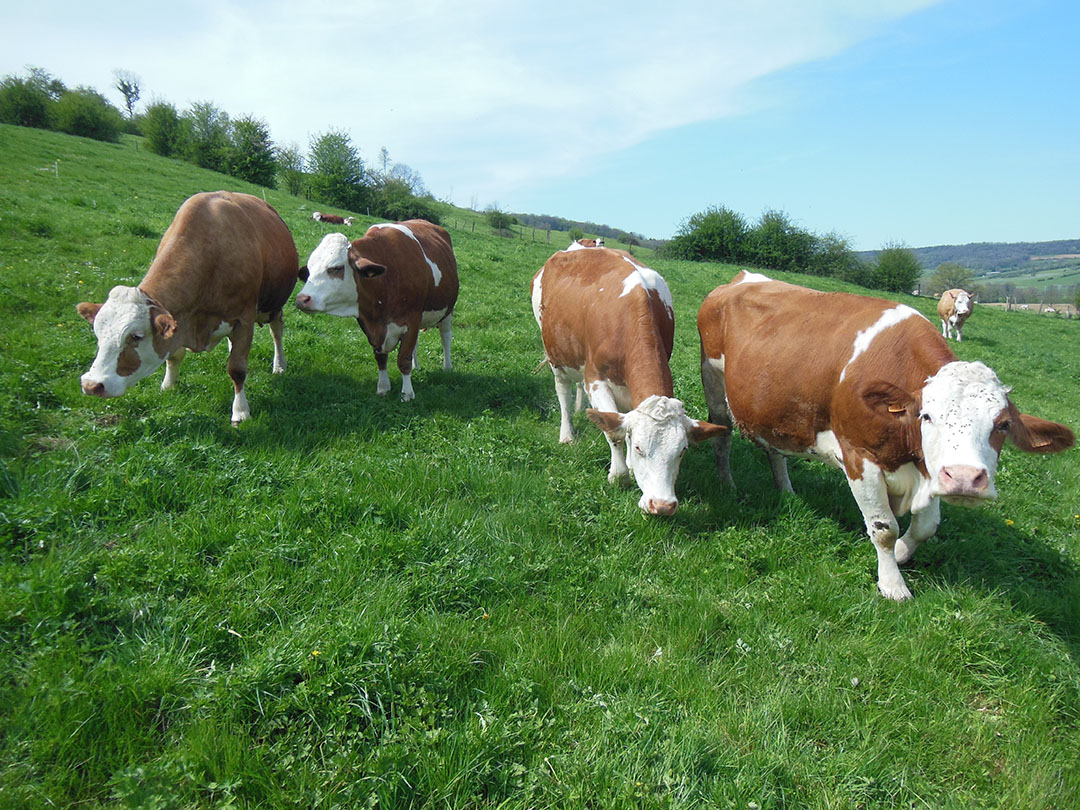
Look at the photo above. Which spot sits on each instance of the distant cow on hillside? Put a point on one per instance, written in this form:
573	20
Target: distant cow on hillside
954	308
332	219
581	244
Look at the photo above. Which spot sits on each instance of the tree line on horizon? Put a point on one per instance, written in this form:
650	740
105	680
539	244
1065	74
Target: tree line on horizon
330	172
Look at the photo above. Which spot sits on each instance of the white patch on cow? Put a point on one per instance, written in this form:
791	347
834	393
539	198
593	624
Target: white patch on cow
224	329
574	246
605	395
887	319
382	387
959	407
430	319
826	448
436	273
394	333
122	321
325	293
650	280
753	278
537	294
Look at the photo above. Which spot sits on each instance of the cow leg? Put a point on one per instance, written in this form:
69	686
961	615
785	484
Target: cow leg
564	390
712	380
922	527
172	367
239	347
277	326
446	329
778	464
382	388
603	399
872	497
406	350
944	328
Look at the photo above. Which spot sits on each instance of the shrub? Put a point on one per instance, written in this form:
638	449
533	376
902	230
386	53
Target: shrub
715	234
161	126
24	104
85	112
896	270
251	153
778	244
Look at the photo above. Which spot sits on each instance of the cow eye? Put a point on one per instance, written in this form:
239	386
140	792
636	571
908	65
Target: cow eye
1005	426
135	337
638	450
925	417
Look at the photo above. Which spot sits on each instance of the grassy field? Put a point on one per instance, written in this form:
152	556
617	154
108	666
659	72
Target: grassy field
356	602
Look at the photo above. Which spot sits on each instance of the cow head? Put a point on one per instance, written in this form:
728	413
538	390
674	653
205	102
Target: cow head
133	333
963	302
331	275
657	433
963	415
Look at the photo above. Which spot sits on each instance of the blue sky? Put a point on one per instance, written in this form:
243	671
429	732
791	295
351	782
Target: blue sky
915	121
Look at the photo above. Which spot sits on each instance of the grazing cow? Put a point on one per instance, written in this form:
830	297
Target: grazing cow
608	322
397	279
581	244
954	308
332	219
226	262
868	386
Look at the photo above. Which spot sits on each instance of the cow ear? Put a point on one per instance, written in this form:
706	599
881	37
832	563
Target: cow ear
88	310
164	323
890	401
1034	435
609	422
697	431
303	274
365	268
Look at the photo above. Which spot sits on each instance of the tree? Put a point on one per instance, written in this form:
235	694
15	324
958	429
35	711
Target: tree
715	234
777	243
834	257
251	152
161	126
336	170
30	102
896	269
950	276
205	140
127	83
499	219
410	178
290	166
86	112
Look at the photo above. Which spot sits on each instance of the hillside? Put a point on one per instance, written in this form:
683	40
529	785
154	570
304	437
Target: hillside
987	258
353	601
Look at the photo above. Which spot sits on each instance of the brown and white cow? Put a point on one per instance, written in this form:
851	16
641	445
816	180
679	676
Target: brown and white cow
225	263
870	387
332	219
954	308
581	244
397	279
607	322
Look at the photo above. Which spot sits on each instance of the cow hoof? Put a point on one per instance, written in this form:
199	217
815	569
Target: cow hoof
408	397
279	369
898	593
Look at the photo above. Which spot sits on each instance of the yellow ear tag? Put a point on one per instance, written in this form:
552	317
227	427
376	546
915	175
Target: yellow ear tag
897	409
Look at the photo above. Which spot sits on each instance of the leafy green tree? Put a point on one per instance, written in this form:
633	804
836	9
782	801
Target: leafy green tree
499	219
84	111
950	276
715	234
127	84
576	233
290	168
833	257
395	201
205	140
162	128
251	152
336	171
777	243
30	101
896	270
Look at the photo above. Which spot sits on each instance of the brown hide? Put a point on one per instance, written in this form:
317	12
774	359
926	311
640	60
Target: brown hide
407	289
784	349
225	257
587	323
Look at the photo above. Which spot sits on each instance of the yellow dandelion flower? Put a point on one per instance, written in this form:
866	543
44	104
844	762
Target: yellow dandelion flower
1010	522
316	653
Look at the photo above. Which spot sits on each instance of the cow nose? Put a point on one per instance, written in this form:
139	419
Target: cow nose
659	506
94	389
963	479
303	301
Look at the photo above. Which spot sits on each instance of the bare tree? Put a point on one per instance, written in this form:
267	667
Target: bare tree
128	85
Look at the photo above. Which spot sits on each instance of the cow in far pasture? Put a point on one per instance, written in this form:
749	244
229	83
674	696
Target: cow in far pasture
332	219
954	308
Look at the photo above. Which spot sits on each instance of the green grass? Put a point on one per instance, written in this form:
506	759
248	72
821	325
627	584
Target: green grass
350	601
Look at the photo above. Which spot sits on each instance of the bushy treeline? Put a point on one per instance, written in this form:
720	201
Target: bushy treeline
774	242
330	173
42	101
549	222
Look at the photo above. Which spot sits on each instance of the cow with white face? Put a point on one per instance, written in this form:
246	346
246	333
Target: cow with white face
607	322
954	308
396	280
870	387
226	263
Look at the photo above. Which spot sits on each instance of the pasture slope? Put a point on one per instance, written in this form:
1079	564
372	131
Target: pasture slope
355	602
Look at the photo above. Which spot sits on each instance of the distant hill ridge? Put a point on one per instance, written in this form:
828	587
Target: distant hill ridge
986	257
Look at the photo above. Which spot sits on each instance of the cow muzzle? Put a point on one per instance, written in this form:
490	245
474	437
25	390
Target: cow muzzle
303	303
94	388
659	506
961	482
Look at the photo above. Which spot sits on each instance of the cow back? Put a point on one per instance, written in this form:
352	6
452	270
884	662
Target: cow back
408	250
